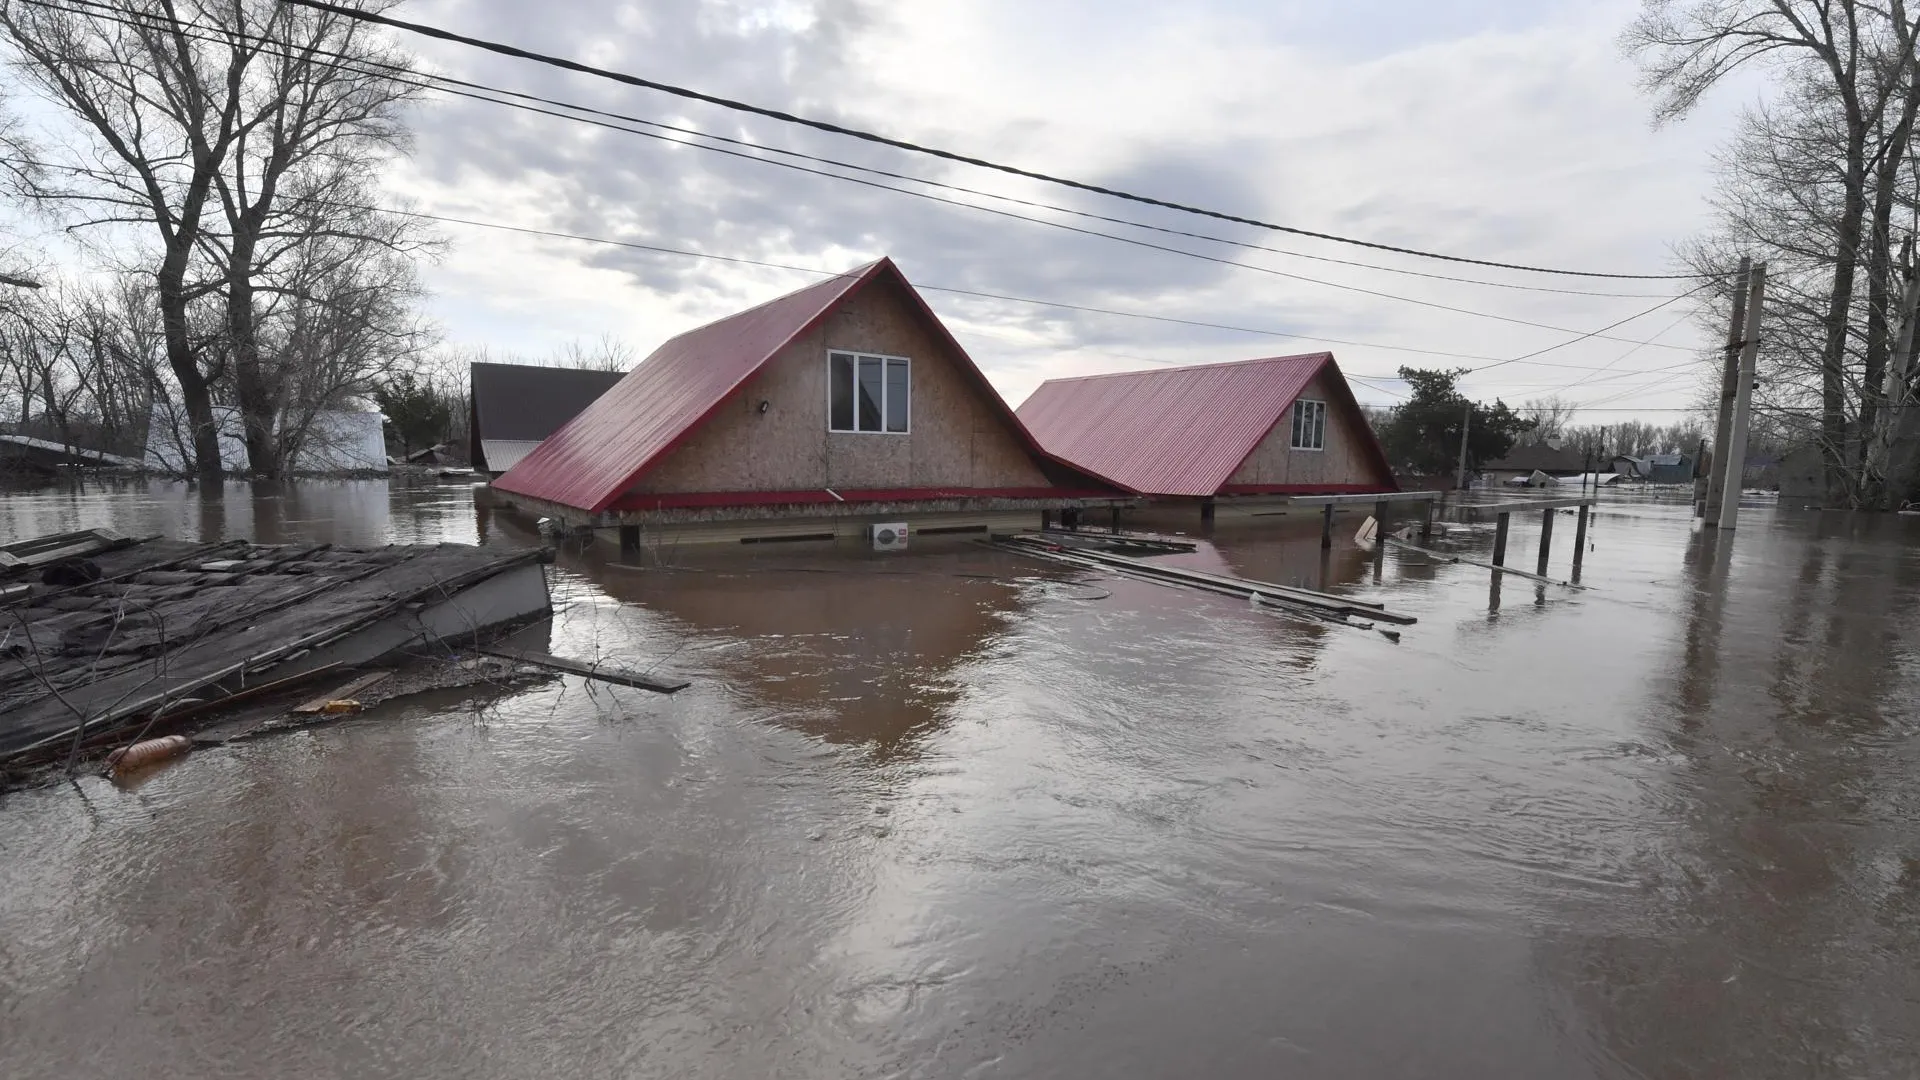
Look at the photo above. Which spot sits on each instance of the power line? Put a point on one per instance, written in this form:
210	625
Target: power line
403	74
766	264
974	293
1550	388
1643	389
1524	357
901	144
1133	241
1592	377
1638	410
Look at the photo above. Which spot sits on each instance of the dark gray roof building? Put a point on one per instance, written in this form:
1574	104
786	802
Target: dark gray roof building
1523	460
516	406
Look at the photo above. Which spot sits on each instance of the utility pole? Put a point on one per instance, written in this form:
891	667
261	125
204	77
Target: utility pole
1729	390
1735	470
1466	425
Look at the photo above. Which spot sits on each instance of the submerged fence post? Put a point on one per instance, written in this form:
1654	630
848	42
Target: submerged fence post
1580	539
1326	529
1379	537
1500	542
1546	539
1426	521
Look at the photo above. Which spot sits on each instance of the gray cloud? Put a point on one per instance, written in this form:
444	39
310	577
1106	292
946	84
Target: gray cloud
1442	142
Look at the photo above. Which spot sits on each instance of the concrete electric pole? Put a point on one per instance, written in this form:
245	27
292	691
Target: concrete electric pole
1729	380
1734	471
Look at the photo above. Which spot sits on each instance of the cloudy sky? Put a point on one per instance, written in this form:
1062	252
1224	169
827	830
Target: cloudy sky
1501	129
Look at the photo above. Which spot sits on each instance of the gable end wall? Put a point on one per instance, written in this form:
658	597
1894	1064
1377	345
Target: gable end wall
1274	463
959	439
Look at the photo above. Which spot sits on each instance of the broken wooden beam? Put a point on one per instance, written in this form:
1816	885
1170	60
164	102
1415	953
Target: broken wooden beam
341	693
618	676
1364	498
1328	604
46	550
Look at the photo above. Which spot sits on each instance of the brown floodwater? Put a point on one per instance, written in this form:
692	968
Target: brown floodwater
952	814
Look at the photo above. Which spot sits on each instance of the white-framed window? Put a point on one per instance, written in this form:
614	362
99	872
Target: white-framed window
867	393
1309	425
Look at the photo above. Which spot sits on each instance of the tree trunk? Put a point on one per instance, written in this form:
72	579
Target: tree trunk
1833	354
1878	343
194	395
258	407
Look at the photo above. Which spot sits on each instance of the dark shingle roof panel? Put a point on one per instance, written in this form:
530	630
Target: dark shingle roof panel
523	402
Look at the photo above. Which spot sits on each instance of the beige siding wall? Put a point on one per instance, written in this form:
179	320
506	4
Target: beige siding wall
1344	461
958	438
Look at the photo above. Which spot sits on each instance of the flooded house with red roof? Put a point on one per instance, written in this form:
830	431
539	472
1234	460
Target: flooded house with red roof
843	410
1216	440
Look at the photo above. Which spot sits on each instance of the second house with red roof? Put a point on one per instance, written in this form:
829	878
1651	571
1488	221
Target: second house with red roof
1234	440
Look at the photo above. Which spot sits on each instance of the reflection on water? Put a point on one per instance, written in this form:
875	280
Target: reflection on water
950	814
350	513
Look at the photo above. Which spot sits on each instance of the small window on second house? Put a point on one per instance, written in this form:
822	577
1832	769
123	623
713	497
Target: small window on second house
1309	425
868	393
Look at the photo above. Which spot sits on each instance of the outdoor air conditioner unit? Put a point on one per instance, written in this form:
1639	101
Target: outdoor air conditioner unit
891	537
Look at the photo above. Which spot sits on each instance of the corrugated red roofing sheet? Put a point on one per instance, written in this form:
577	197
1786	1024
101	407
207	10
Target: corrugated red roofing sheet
1176	431
601	453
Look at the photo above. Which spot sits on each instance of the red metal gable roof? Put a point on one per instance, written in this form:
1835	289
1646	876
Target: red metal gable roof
601	453
1177	431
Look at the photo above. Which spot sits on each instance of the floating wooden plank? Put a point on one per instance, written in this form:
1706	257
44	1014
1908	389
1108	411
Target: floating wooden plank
1139	542
1354	500
1521	506
1307	600
1441	556
1314	597
52	549
341	693
1260	601
618	676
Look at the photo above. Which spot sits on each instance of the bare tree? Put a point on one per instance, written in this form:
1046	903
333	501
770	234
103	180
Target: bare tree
607	354
1853	62
81	363
349	319
217	129
1550	416
297	209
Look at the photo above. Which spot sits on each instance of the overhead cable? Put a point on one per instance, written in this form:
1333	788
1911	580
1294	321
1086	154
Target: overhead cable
411	79
950	290
918	148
